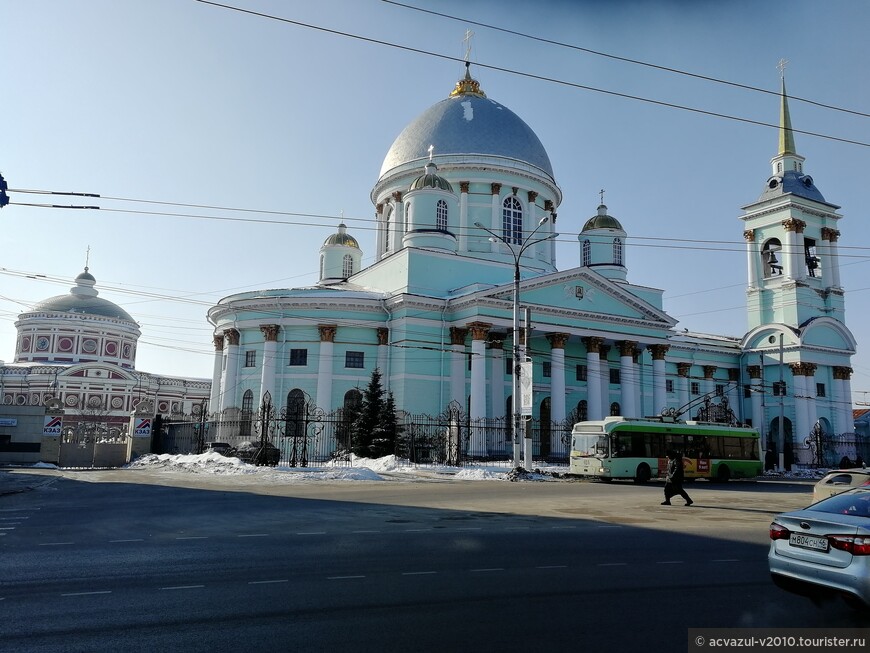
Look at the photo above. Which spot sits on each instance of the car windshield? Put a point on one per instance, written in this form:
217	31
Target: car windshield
847	503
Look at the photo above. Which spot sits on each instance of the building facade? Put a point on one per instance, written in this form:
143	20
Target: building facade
80	349
466	200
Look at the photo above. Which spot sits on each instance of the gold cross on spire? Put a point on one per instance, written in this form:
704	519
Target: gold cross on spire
781	65
467	40
601	194
87	257
431	149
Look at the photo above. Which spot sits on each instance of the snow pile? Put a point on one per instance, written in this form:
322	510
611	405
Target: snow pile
204	463
44	465
479	474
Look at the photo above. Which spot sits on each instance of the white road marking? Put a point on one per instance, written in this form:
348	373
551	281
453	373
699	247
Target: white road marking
417	530
118	541
266	582
13	518
7	528
87	593
343	577
54	543
418	573
183	587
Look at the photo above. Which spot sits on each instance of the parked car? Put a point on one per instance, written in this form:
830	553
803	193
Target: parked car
218	447
824	550
840	480
256	454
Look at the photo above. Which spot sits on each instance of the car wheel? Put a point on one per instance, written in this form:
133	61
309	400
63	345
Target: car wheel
723	474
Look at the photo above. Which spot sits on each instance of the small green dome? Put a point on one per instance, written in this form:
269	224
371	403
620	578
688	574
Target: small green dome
602	221
341	238
430	179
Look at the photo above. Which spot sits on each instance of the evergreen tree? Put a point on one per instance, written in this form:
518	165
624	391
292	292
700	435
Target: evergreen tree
368	425
385	442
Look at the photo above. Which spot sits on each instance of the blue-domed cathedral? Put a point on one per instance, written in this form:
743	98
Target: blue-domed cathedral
466	202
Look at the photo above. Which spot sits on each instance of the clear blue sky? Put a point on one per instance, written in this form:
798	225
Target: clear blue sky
179	101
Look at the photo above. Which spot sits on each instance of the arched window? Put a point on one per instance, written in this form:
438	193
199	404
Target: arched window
247	413
441	215
295	424
348	414
614	409
347	266
779	167
582	410
587	254
769	251
617	251
512	220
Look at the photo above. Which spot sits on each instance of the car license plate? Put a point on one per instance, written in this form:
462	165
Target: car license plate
809	542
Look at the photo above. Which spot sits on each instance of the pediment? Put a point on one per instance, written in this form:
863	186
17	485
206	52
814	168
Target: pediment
583	292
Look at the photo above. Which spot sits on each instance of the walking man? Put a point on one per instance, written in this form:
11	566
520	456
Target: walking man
674	479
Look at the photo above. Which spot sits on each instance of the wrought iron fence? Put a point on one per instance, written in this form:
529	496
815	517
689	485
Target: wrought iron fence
306	435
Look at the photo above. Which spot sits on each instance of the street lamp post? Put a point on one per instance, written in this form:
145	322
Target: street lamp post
515	378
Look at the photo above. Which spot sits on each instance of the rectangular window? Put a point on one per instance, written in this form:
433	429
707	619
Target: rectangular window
547	369
354	359
581	372
779	389
820	389
614	376
251	358
509	366
298	357
696	388
669	385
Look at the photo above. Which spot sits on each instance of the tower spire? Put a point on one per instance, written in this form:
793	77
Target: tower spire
786	135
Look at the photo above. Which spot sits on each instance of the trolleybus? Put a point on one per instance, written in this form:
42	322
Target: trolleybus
636	448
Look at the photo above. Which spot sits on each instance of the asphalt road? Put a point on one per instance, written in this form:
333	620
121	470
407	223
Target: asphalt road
128	561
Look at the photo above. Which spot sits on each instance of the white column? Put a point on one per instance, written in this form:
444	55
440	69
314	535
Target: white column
495	218
463	216
752	258
382	230
709	381
593	378
214	401
496	390
324	366
834	255
270	354
683	370
383	356
557	389
802	427
398	221
457	366
229	396
479	332
848	421
604	379
626	377
660	388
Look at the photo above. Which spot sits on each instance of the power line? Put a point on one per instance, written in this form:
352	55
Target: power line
543	78
638	62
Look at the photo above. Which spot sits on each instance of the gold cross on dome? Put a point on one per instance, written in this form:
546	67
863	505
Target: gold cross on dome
601	194
430	150
467	40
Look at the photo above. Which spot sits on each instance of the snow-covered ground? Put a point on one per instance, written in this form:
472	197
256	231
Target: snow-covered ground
388	468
